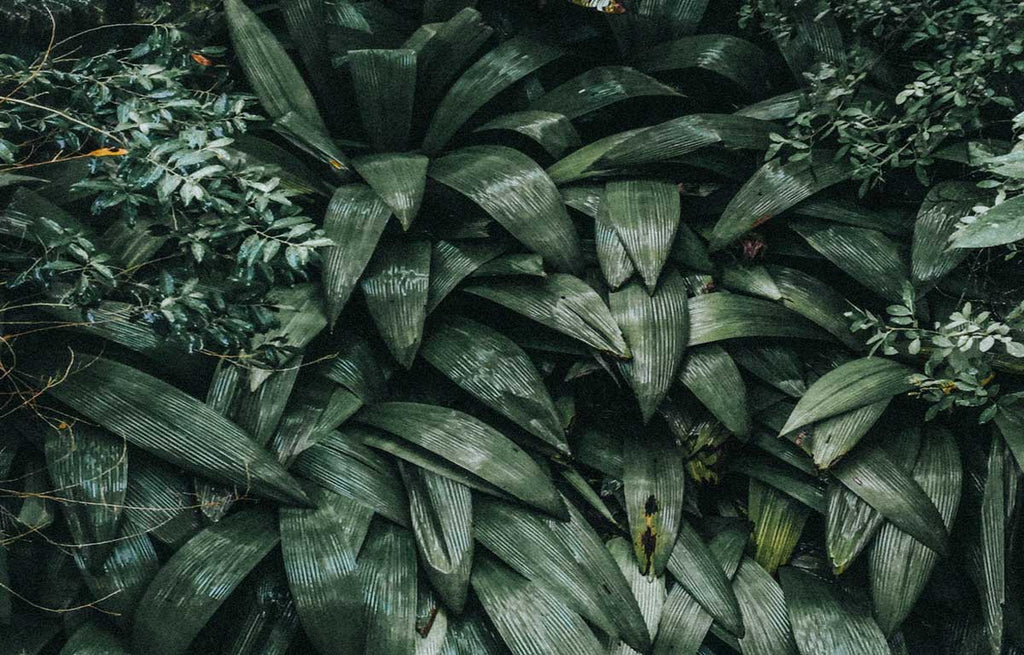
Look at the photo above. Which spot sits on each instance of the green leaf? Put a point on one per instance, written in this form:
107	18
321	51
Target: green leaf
355	219
89	469
269	621
395	288
991	566
531	621
123	577
319	547
600	87
850	386
784	105
300	317
313	140
341	463
561	302
176	427
773	189
899	565
471	445
442	522
275	79
645	215
512	264
778	522
656	329
198	579
497	372
550	129
654	482
826	620
534	214
693	565
720	316
159	502
578	165
765	615
445	54
612	257
999	226
399	179
731	57
452	262
712	376
832	438
490	75
938	218
889	488
524	541
90	639
778	365
867	256
681	136
649	592
385	84
387	571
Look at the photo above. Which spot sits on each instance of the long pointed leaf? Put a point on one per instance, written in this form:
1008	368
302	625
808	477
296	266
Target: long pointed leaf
712	376
693	565
729	56
645	215
387	571
385	81
395	287
399	179
654	482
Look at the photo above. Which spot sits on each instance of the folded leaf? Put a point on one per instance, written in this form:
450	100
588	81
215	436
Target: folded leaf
718	316
778	522
649	592
694	567
198	579
600	87
550	129
497	372
563	303
534	214
645	215
471	445
655	328
765	614
452	262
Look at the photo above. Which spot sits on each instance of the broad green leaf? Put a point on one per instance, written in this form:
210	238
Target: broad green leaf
681	136
645	215
773	189
654	482
471	634
221	396
89	470
837	209
550	129
720	316
275	79
385	84
512	264
561	302
946	203
490	75
899	565
826	620
832	438
341	463
198	579
445	55
581	163
765	616
315	142
174	426
531	621
300	317
387	572
868	256
778	521
470	444
124	575
307	26
690	252
399	179
534	214
990	561
852	385
442	522
812	39
91	639
1010	421
649	592
395	289
784	105
731	57
452	262
319	547
159	502
616	266
999	226
269	623
600	87
355	366
786	479
694	567
889	488
497	372
776	364
524	541
712	376
655	328
355	219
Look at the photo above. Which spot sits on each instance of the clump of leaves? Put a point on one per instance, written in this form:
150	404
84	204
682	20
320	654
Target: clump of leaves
184	224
